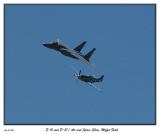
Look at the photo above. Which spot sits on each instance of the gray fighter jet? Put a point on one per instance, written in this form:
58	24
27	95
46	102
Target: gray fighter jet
73	53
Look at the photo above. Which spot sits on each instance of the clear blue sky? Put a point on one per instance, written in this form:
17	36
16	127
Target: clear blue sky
39	84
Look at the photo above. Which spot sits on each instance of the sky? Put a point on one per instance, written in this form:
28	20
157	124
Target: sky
39	84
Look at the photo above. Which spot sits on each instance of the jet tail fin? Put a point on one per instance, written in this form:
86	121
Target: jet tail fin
89	54
79	48
101	78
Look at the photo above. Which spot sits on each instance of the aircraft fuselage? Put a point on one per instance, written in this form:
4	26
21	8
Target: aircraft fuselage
90	79
62	49
85	78
69	54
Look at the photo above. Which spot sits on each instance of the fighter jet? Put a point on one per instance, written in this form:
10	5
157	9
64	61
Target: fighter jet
73	53
88	78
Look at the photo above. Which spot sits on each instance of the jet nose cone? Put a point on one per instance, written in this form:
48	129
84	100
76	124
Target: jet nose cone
46	45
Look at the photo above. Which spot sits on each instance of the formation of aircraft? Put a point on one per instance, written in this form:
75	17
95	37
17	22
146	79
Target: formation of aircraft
72	53
76	54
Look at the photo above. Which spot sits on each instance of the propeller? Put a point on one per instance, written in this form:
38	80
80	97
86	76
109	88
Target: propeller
76	71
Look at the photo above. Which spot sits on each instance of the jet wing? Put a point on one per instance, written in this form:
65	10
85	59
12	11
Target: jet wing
89	54
78	56
79	48
95	87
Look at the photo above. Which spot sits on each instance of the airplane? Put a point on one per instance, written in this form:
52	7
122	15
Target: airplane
73	53
88	78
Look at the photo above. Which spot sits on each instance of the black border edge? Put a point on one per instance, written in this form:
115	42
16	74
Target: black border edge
155	19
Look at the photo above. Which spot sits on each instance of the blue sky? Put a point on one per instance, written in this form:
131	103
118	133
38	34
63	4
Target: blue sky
39	84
